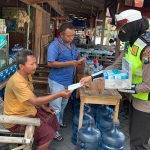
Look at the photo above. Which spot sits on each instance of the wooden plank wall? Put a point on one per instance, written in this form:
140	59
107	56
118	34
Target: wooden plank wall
38	32
45	38
42	34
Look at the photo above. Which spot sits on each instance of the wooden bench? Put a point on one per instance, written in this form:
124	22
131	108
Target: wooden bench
27	140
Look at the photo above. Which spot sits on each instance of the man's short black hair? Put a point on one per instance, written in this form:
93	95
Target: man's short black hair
21	56
65	26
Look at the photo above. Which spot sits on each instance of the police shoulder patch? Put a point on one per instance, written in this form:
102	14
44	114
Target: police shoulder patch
134	50
146	57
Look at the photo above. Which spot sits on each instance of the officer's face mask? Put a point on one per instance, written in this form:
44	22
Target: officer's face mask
123	36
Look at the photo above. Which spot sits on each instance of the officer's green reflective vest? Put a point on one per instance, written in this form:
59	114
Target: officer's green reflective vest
133	55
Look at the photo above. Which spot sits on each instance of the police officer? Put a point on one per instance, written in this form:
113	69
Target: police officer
132	29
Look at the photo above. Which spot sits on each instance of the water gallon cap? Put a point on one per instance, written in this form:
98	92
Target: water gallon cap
111	110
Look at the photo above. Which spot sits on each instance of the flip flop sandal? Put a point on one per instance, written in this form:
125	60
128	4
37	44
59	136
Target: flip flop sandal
58	138
63	125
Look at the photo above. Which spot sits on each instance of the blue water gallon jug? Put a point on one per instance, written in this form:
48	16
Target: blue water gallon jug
86	119
106	121
88	138
75	102
101	111
94	109
4	75
2	93
87	109
112	139
9	72
1	76
12	69
16	68
76	106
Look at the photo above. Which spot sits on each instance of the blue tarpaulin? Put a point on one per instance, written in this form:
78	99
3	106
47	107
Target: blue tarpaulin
78	23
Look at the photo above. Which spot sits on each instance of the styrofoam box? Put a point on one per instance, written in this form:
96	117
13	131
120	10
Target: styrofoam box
121	83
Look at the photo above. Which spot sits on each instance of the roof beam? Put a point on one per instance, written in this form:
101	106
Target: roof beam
82	13
58	8
98	3
86	4
80	10
69	4
30	2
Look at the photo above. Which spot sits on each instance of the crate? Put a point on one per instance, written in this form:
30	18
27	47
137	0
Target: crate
112	83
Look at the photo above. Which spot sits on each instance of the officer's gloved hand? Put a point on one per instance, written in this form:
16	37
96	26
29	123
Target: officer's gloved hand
132	90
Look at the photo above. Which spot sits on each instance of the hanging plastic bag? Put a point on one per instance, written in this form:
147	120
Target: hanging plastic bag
138	3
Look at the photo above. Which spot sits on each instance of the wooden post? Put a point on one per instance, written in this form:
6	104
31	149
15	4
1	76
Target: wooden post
116	111
81	114
38	32
108	34
120	8
95	30
29	135
28	30
103	24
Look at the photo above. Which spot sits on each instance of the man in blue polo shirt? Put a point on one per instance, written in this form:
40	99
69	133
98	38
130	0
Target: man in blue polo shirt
63	58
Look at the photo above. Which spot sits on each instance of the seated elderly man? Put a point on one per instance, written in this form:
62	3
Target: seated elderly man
20	101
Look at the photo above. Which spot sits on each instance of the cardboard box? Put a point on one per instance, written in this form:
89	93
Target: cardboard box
3	29
119	82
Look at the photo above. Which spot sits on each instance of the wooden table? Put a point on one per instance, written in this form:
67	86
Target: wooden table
92	95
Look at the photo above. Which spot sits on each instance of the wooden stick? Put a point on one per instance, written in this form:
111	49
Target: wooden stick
19	120
18	140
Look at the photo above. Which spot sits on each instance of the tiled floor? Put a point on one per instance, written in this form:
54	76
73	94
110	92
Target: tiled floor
67	132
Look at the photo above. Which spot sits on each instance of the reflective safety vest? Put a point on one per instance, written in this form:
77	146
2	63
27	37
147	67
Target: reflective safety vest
133	54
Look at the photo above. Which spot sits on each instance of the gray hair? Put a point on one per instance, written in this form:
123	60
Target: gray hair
21	56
